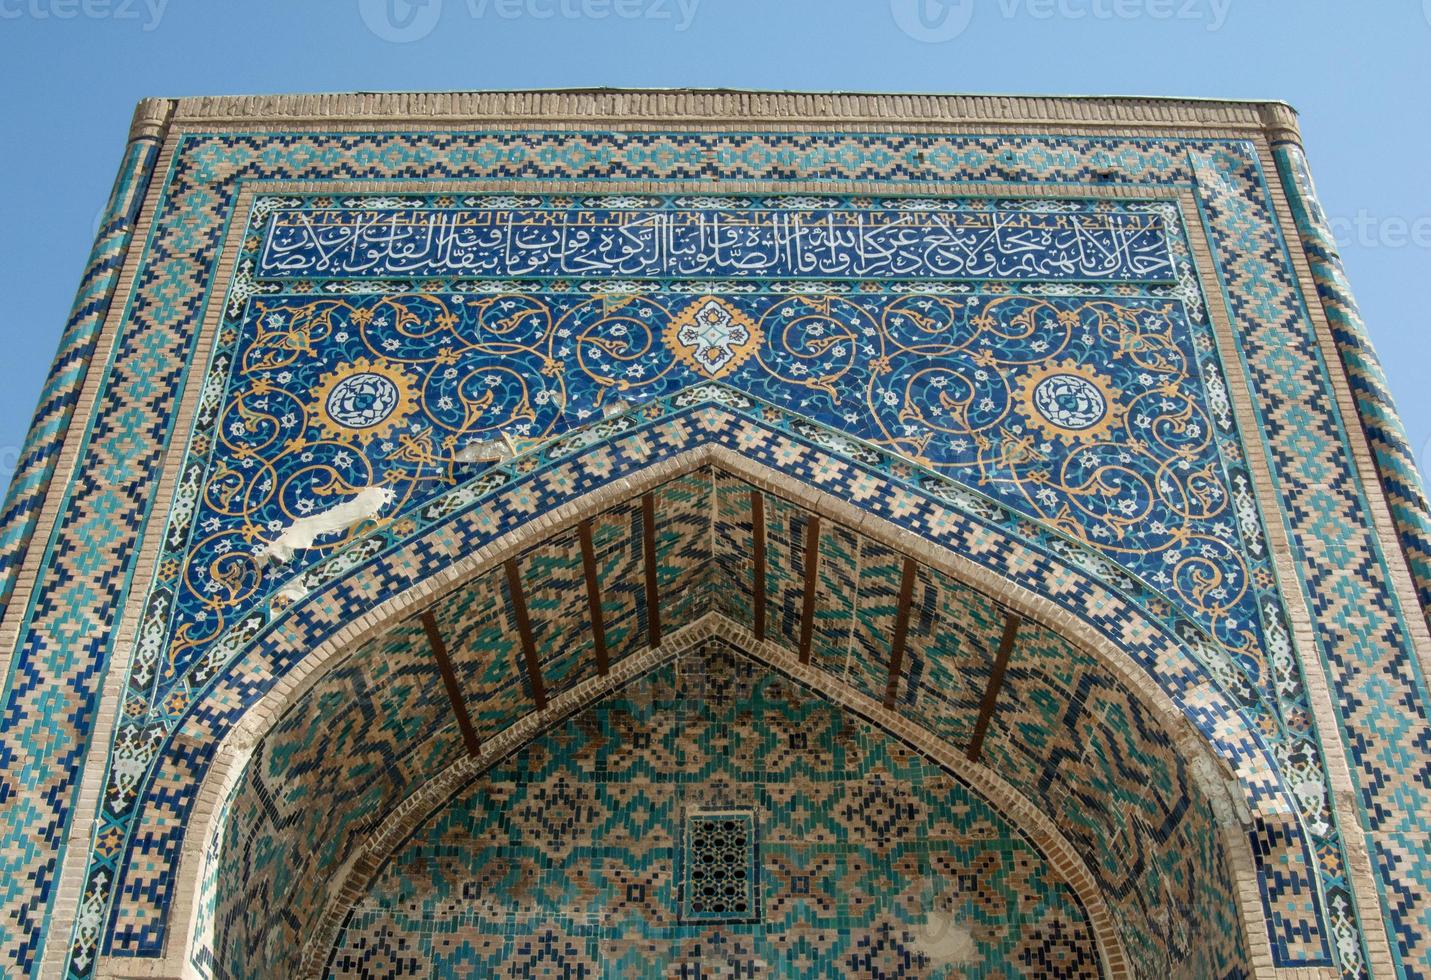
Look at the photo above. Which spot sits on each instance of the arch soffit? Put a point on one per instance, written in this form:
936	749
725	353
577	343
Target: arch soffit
238	744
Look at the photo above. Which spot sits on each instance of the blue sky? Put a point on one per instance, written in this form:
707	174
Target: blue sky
73	70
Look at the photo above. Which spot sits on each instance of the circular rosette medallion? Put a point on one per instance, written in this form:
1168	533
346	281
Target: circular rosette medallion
712	336
1069	401
363	400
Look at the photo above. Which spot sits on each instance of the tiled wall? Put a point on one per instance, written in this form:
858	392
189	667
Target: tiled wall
125	682
563	860
1066	733
349	751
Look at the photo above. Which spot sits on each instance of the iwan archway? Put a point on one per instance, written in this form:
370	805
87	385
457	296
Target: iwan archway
1006	666
1087	365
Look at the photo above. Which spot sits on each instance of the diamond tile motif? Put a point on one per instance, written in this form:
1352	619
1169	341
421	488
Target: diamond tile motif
712	336
963	895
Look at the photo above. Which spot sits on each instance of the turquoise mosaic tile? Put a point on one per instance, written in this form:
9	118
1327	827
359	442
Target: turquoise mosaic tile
577	876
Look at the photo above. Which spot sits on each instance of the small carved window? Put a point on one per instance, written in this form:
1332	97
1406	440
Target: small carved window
719	869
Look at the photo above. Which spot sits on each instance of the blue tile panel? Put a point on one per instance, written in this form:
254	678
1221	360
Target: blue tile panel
1104	414
517	241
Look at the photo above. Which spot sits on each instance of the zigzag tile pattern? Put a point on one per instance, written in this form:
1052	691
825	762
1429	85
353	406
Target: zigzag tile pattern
386	720
1363	637
561	621
1069	738
357	744
953	636
684	548
1395	459
732	574
35	467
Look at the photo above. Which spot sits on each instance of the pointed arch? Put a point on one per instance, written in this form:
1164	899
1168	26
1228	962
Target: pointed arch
1161	686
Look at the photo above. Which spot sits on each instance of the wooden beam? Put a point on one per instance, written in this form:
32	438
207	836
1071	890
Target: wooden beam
449	681
996	681
593	597
901	632
524	630
812	582
757	526
648	547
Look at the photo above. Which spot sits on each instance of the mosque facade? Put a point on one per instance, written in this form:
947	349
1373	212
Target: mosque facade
689	534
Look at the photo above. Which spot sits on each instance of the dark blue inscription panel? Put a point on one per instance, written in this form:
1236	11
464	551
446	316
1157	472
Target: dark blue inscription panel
706	243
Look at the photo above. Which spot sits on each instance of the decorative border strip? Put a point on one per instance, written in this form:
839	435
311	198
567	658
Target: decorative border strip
1395	460
42	454
610	107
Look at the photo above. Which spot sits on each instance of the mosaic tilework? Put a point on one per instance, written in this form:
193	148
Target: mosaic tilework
1070	739
556	603
362	740
1102	414
836	599
1362	635
386	718
1353	614
732	574
876	596
36	464
683	549
1041	740
1072	406
927	510
478	627
1082	741
953	635
562	860
616	536
785	529
1396	462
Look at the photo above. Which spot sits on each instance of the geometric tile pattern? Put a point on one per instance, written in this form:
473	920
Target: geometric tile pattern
69	635
562	861
35	466
485	619
1365	641
387	722
1395	460
1381	695
1131	808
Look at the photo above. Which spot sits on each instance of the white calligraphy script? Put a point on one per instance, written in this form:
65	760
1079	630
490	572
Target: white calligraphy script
697	244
